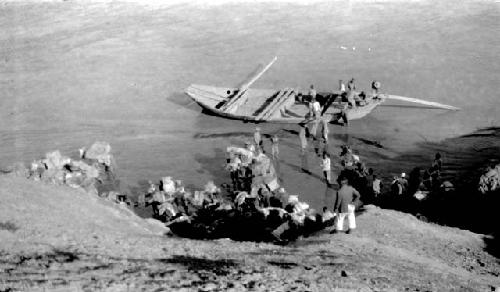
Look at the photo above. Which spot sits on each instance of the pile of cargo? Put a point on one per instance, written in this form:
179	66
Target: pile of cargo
258	215
258	211
254	208
490	180
93	171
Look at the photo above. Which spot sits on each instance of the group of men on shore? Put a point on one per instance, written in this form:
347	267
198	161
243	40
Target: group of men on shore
255	194
419	182
255	183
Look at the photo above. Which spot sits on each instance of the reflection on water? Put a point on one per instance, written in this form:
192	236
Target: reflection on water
304	161
329	198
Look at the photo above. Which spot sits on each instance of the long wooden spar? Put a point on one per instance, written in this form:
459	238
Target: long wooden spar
243	88
421	101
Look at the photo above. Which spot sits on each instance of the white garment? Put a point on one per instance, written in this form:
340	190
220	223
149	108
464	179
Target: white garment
257	138
351	219
234	164
376	186
328	215
326	164
325	130
314	128
168	185
246	158
316	106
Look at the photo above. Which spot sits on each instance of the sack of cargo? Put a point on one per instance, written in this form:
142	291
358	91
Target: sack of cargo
199	198
240	198
420	195
54	176
74	180
168	185
159	197
89	170
168	209
54	160
273	184
211	188
246	155
100	151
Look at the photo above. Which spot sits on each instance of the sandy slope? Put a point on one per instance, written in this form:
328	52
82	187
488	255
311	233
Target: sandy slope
56	237
73	72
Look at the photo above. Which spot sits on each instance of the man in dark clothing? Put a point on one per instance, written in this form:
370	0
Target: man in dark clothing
350	85
437	163
344	206
396	187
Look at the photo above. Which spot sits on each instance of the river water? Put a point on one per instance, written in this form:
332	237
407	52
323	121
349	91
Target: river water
74	73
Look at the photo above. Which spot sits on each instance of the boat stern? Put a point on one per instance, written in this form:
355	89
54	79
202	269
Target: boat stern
207	96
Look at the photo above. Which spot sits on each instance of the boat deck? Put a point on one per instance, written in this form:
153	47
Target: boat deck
263	105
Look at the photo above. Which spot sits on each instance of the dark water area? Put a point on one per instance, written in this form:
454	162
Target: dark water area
74	73
463	206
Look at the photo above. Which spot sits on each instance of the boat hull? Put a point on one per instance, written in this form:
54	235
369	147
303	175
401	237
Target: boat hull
209	97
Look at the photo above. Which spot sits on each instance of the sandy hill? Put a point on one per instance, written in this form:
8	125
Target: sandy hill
57	238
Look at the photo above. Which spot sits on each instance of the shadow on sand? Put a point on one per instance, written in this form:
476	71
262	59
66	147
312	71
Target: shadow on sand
80	263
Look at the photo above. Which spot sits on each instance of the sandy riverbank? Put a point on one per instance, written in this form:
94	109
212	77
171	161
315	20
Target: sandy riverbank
57	238
61	238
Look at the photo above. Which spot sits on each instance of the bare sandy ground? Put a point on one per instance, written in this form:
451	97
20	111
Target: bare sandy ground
60	239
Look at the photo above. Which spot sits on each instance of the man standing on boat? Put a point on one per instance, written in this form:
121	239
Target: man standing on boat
257	138
341	86
312	92
351	99
375	88
351	86
312	102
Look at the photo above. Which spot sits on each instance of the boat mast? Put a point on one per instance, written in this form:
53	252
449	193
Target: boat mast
236	98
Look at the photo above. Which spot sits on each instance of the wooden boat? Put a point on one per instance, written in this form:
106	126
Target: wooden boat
274	106
285	105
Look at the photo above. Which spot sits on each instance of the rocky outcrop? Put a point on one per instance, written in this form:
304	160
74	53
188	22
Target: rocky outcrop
92	171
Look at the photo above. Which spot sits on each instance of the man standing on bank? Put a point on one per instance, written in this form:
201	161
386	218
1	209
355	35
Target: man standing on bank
326	167
344	206
275	151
